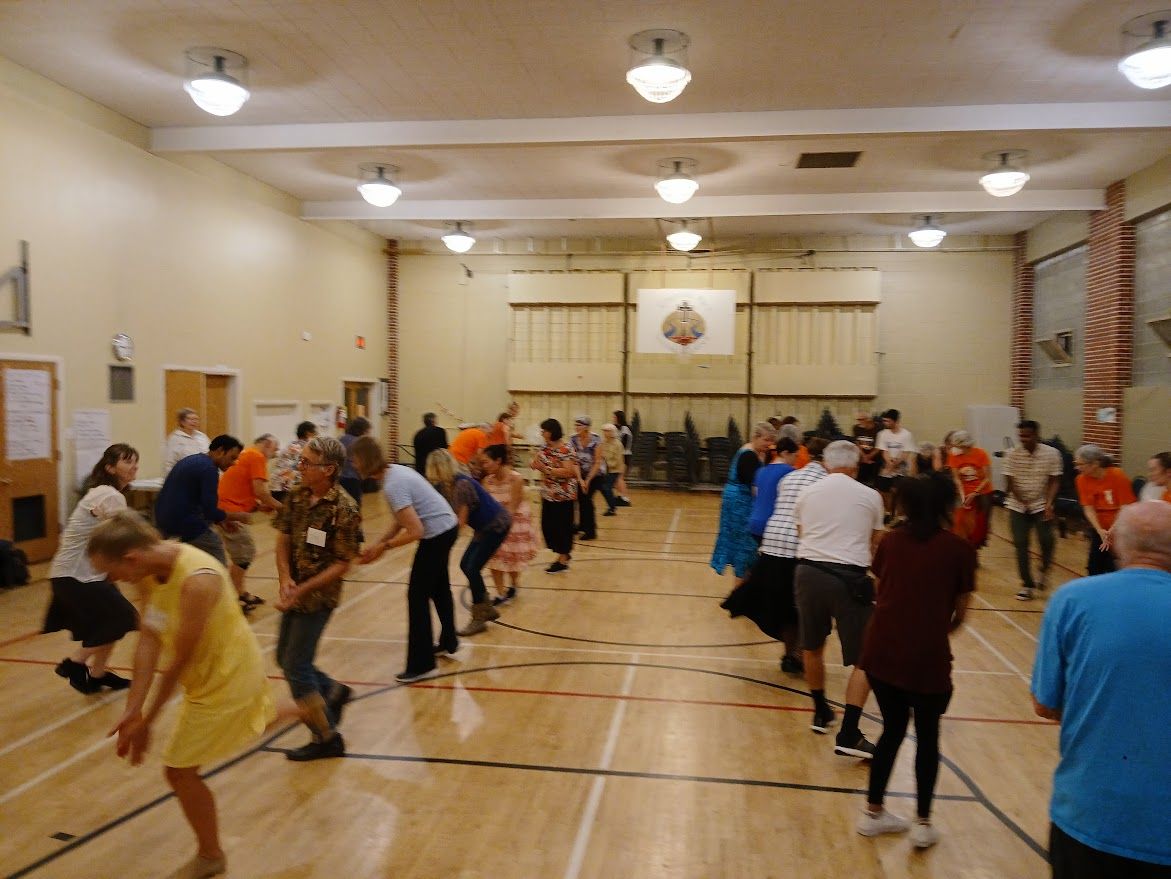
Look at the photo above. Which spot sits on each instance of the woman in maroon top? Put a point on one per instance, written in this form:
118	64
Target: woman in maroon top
925	575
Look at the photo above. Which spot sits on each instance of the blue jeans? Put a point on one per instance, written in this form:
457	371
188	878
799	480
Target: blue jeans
296	648
607	487
482	547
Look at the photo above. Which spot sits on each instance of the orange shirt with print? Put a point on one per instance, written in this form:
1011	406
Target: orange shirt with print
496	436
973	466
1107	494
803	458
236	490
466	443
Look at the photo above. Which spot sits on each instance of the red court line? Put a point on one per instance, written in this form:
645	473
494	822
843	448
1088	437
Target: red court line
577	694
25	637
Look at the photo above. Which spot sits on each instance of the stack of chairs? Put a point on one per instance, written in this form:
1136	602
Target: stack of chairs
645	453
678	459
719	458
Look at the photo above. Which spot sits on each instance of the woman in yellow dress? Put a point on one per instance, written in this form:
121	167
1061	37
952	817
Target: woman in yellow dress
190	618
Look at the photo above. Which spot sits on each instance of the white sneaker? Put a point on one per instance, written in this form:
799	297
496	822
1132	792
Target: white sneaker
872	824
923	835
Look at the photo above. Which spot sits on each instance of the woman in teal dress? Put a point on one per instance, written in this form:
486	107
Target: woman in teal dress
734	545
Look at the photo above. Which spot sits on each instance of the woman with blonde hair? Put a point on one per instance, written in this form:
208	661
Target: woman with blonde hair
490	523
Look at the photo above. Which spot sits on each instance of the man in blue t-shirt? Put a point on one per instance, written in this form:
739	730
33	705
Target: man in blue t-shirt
188	503
1102	669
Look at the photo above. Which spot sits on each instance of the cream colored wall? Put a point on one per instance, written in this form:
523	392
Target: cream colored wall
1059	413
943	328
1147	430
1056	234
200	265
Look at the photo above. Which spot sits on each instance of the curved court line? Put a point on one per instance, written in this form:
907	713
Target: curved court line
517	628
265	746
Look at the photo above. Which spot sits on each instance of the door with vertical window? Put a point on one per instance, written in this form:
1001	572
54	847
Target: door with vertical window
209	394
29	456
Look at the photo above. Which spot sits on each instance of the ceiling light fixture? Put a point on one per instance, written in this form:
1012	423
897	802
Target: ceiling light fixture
684	239
676	184
1148	62
659	70
926	234
215	80
458	240
376	184
1007	177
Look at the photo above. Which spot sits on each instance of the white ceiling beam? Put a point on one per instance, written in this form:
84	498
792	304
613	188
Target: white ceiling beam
666	127
709	206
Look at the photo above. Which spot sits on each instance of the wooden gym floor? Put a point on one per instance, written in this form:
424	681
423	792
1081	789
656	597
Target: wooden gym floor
615	722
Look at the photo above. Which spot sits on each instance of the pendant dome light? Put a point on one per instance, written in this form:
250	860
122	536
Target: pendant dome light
376	184
1148	63
684	239
458	240
1007	177
215	80
926	234
676	183
659	70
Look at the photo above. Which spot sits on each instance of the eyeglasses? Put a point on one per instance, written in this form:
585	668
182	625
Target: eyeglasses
303	463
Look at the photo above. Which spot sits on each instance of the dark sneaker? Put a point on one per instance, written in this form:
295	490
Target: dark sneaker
112	681
66	666
334	747
339	698
588	537
609	512
409	677
622	502
78	675
854	747
1024	594
506	598
792	665
823	719
556	568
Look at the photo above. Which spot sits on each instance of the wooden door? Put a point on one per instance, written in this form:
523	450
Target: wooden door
184	390
215	400
28	457
357	400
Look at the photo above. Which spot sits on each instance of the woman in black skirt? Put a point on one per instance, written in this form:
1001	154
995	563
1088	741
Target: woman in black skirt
84	601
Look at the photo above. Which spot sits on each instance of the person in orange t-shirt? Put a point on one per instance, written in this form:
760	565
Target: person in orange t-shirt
1103	490
468	443
242	488
972	470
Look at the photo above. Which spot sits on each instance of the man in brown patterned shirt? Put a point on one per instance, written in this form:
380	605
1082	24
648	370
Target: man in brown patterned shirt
317	539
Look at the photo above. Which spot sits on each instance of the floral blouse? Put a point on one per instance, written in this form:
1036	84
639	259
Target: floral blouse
557	488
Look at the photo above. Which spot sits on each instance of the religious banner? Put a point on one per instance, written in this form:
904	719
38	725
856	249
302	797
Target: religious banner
690	321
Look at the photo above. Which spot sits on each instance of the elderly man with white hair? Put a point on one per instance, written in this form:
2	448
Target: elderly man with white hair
1102	667
839	522
1103	490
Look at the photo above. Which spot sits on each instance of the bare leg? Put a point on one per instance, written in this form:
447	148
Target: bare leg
515	579
237	575
498	582
101	655
815	668
199	807
789	636
857	689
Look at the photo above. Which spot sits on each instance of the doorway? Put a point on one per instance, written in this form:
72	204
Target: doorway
210	393
29	456
358	398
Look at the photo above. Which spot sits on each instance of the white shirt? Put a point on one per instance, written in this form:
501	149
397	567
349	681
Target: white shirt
1030	472
71	560
1151	492
837	516
896	444
180	445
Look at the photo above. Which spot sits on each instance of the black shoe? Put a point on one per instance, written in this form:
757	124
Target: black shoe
792	665
593	536
577	529
409	677
449	650
506	598
622	502
66	666
250	600
823	719
78	675
334	747
556	568
854	746
339	698
111	681
609	512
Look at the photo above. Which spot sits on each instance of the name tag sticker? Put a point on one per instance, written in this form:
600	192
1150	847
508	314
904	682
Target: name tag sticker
315	537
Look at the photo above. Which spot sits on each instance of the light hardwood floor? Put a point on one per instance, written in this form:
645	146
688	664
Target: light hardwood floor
615	722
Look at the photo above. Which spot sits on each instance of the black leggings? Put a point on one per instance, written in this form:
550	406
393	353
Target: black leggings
896	706
430	584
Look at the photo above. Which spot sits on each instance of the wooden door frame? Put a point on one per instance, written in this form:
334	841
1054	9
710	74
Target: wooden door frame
373	383
234	396
58	396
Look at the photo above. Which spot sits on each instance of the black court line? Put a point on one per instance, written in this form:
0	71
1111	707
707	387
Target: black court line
264	745
631	773
626	559
708	597
630	643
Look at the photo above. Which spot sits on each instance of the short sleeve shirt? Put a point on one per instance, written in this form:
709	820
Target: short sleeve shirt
556	488
1107	494
780	534
467	443
1030	474
896	444
836	519
973	469
404	487
285	472
236	490
336	516
586	453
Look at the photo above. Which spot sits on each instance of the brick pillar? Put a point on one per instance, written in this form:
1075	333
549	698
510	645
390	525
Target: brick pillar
1109	318
1022	321
392	348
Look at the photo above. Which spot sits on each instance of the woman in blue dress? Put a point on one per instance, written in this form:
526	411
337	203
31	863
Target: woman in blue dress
734	545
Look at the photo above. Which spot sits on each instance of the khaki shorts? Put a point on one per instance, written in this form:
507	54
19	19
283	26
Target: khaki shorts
823	599
240	546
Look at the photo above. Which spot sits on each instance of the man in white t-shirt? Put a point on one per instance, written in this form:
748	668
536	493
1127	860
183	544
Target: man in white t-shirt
839	521
896	449
186	439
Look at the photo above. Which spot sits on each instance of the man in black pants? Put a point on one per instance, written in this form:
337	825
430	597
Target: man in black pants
587	446
427	440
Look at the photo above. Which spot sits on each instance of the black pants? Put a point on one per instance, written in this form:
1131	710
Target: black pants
557	525
1071	859
430	584
586	519
481	548
896	706
1101	561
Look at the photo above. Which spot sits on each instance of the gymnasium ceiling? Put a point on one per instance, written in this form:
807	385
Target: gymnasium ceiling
514	114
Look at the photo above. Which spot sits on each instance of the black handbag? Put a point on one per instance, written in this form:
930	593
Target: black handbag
858	581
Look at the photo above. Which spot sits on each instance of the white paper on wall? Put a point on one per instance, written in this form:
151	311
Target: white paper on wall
671	321
91	437
27	414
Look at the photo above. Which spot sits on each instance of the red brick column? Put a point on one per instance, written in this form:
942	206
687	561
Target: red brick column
1022	321
392	348
1109	318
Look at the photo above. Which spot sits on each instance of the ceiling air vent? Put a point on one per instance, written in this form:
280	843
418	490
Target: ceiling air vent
828	160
